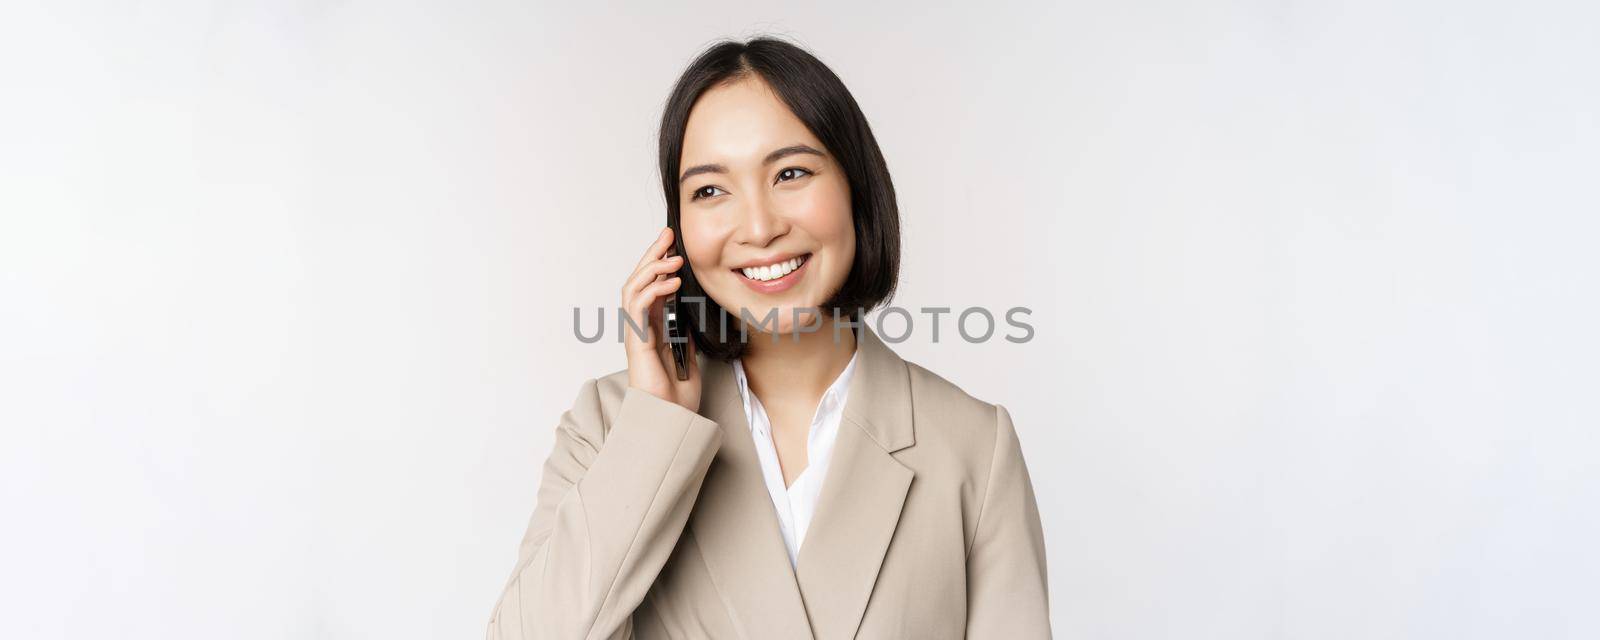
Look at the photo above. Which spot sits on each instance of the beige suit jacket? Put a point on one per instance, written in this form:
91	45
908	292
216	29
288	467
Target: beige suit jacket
653	521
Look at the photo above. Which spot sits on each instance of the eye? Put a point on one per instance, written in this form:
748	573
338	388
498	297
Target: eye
793	173
702	192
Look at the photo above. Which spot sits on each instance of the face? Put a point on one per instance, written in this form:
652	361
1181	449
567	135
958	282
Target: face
765	209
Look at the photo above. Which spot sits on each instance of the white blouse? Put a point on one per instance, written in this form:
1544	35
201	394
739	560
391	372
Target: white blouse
797	503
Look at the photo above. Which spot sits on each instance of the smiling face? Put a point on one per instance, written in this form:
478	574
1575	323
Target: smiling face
765	209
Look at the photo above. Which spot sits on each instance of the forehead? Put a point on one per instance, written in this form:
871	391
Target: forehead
738	122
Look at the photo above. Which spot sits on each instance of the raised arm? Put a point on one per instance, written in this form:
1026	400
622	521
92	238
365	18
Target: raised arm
611	508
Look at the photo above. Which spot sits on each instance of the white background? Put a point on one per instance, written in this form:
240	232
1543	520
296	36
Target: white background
287	294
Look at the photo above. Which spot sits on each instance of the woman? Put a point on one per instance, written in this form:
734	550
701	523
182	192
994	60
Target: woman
804	481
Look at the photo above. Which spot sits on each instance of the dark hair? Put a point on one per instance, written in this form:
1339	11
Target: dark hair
825	106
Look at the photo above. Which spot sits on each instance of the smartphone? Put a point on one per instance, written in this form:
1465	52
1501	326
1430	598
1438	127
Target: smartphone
676	324
677	338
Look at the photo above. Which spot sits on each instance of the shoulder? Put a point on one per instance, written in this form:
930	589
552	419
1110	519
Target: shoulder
936	396
962	443
952	423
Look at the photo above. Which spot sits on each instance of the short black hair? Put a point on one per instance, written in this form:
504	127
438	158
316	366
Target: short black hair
820	101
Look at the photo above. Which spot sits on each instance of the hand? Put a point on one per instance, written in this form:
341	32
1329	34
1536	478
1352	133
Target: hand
650	366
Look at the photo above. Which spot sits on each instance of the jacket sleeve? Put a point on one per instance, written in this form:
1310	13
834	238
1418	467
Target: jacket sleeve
611	507
1007	584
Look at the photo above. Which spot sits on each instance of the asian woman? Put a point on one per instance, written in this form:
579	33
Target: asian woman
804	481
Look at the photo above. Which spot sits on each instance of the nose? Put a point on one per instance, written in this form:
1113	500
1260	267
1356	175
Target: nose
760	223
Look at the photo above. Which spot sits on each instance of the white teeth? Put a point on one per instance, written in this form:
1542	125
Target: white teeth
772	271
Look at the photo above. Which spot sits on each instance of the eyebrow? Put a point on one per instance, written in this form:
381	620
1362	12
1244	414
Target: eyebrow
771	158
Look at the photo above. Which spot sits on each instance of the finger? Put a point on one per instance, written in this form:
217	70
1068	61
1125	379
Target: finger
644	303
653	292
653	272
657	248
649	272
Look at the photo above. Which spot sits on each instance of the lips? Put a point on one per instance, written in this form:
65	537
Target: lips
776	279
775	270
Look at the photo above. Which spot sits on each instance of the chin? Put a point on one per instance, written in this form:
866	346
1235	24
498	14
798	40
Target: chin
786	321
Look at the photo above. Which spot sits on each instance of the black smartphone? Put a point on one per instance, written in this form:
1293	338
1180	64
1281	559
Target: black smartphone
675	323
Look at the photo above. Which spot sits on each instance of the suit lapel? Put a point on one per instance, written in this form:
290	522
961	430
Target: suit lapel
734	524
857	512
861	499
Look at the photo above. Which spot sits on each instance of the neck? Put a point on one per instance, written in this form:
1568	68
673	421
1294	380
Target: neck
805	366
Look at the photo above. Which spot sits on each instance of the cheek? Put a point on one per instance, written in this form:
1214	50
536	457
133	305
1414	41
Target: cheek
703	243
825	214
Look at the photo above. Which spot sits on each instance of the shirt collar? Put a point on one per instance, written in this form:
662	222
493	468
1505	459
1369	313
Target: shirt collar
832	399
